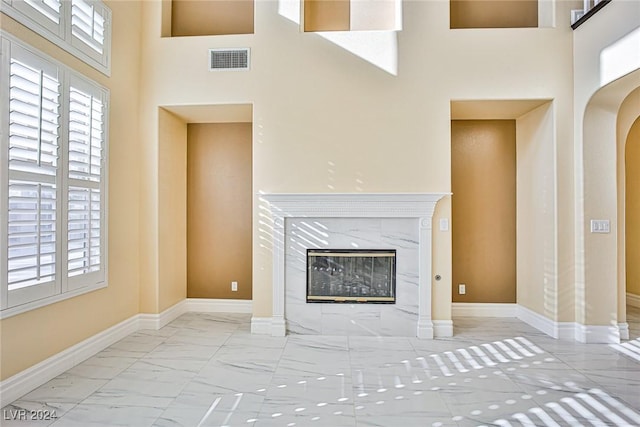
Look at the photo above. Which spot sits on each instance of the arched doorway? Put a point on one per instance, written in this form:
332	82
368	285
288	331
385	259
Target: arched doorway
632	226
600	256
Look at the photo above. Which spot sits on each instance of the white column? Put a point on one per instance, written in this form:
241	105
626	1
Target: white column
278	324
425	324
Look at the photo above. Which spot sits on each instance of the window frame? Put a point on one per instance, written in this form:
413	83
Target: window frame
62	287
62	33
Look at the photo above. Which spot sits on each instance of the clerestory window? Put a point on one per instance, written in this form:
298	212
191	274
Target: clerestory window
81	27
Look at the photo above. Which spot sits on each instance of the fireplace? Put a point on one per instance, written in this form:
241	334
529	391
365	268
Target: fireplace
304	223
345	275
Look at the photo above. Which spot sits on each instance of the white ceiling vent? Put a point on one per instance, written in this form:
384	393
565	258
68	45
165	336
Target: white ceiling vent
228	59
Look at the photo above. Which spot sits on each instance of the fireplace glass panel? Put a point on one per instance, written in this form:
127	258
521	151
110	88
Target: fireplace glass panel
363	276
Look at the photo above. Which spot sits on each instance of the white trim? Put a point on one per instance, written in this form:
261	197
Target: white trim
443	328
590	334
159	320
574	331
633	300
624	330
205	305
558	330
12	311
425	329
461	309
23	382
261	325
565	330
354	205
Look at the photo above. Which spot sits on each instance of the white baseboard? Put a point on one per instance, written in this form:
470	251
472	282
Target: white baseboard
590	334
558	330
598	334
624	330
442	328
425	328
261	325
264	326
205	305
31	378
472	309
23	382
633	300
157	321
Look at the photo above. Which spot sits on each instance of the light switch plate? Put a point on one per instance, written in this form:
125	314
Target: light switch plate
600	226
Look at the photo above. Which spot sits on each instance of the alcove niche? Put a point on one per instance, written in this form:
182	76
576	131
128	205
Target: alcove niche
469	14
182	18
524	212
205	200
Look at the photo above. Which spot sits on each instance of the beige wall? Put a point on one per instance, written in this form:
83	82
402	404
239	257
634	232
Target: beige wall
172	210
483	180
33	336
494	13
351	138
536	217
597	98
219	210
632	166
202	18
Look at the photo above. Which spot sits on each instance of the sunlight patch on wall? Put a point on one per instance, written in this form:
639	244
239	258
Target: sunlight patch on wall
620	58
379	48
290	9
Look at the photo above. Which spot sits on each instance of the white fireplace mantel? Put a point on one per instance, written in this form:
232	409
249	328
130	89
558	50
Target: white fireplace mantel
418	206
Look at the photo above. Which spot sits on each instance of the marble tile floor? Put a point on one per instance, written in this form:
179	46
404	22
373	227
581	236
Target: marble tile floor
208	370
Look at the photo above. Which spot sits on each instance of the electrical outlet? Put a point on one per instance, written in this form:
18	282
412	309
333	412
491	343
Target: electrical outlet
462	288
234	286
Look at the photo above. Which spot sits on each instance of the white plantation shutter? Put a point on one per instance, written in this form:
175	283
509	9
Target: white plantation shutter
50	9
47	13
81	27
33	141
31	234
53	181
33	114
84	243
85	201
89	26
86	135
87	23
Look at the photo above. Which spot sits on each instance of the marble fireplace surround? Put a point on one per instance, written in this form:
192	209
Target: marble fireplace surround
408	211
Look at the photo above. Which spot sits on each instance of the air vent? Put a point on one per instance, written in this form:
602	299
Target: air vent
228	59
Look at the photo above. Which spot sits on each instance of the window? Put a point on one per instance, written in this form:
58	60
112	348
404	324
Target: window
53	180
81	27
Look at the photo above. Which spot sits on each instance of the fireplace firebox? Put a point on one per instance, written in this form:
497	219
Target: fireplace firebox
354	276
